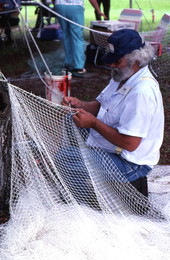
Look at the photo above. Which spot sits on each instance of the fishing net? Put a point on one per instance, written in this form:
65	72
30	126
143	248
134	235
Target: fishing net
68	200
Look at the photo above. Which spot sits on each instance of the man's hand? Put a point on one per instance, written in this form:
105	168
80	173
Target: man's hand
94	3
84	119
72	102
91	107
102	14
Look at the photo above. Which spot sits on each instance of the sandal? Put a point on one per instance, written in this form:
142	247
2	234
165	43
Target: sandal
78	72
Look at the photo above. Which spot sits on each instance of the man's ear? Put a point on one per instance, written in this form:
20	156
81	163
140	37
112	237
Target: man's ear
136	66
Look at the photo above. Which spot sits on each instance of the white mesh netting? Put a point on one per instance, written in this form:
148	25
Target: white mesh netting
69	201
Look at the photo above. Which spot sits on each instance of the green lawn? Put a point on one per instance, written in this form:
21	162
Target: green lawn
160	8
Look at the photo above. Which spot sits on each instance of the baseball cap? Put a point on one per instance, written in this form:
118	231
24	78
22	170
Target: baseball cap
122	42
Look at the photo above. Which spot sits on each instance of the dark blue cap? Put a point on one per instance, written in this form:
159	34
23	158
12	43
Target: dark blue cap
122	42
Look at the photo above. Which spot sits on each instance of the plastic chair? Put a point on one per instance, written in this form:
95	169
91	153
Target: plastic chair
131	15
102	46
156	37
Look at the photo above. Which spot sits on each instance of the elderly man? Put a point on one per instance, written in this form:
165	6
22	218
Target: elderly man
127	119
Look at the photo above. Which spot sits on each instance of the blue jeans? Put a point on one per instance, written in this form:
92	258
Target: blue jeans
73	39
73	171
130	170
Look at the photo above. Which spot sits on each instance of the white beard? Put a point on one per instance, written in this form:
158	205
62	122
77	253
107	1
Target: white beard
121	74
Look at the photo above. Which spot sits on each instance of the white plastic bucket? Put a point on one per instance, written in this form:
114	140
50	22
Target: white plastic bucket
58	86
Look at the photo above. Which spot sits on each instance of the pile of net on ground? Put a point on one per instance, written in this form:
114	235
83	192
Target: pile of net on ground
161	65
69	201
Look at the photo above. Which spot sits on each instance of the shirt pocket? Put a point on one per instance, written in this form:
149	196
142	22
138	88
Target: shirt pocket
112	118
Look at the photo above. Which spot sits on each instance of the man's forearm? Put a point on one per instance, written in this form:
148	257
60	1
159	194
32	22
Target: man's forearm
91	107
95	5
126	142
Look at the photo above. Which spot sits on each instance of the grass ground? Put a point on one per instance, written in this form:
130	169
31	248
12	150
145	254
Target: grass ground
160	7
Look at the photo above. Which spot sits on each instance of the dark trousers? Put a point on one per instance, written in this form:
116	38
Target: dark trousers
6	22
141	185
106	8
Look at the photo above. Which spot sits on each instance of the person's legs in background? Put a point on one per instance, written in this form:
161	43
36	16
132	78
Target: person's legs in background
12	22
78	43
98	17
106	8
72	35
62	9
